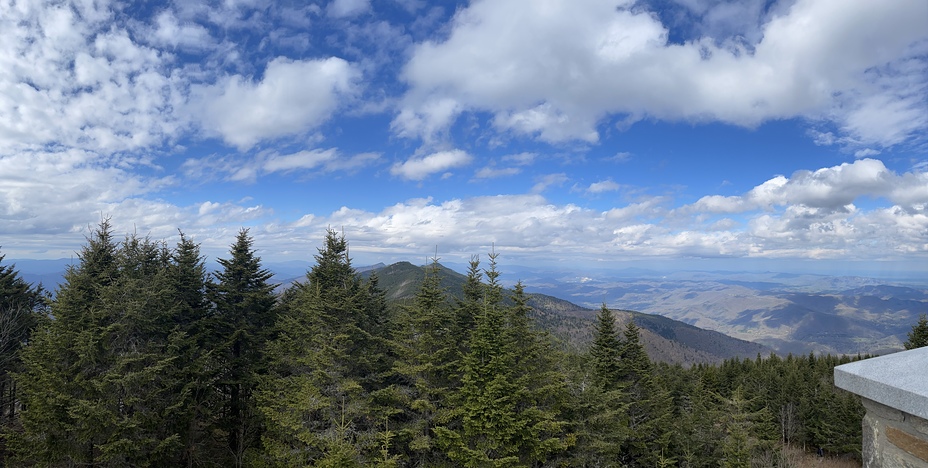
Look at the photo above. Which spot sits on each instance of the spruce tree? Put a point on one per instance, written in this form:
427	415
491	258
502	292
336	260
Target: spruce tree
484	429
22	306
101	382
62	420
918	337
188	318
469	306
427	367
650	404
325	365
602	405
507	409
242	323
541	383
605	352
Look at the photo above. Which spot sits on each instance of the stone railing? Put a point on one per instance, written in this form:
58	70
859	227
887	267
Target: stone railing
894	391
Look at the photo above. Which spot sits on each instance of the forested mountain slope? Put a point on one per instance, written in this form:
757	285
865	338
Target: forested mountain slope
665	339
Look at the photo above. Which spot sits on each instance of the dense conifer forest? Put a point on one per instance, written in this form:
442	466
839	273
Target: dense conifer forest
143	358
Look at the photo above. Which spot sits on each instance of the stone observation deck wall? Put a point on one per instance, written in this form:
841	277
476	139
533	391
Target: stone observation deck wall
894	390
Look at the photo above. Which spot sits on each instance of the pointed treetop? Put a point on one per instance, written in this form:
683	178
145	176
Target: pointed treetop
918	337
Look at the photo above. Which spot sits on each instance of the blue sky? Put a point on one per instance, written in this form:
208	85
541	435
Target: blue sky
590	133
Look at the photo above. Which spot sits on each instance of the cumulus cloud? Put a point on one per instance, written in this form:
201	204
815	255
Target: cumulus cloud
169	31
532	228
557	72
49	199
607	185
832	189
293	97
418	168
70	78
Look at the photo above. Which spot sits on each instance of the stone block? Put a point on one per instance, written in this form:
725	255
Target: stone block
910	444
898	380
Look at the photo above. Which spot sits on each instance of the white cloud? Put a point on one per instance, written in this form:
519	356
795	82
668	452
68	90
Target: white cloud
620	157
865	153
832	189
418	168
70	78
608	185
169	31
292	98
547	181
301	160
557	71
48	200
531	228
492	172
347	8
521	159
242	169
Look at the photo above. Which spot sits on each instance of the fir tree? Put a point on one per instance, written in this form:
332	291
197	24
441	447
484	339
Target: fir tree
188	317
540	382
605	352
101	381
427	366
918	337
62	420
650	405
22	306
603	423
507	410
488	430
242	323
325	365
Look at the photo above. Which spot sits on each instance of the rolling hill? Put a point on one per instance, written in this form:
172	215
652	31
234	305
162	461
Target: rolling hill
789	313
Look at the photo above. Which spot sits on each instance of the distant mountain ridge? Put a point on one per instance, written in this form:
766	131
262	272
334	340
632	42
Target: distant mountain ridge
665	340
787	312
791	313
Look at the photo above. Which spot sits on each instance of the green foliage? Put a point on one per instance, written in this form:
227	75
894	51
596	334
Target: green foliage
106	381
605	352
22	307
241	324
146	362
426	369
507	410
918	337
327	365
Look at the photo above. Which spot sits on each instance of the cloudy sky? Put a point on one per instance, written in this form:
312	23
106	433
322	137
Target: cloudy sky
604	133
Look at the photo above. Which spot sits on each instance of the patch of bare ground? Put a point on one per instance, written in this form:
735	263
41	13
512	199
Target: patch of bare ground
789	457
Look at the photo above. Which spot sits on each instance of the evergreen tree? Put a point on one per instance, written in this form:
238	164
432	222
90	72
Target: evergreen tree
603	423
22	306
918	337
485	426
737	446
650	405
468	306
188	317
326	364
427	365
542	394
241	324
605	352
101	380
61	420
507	410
